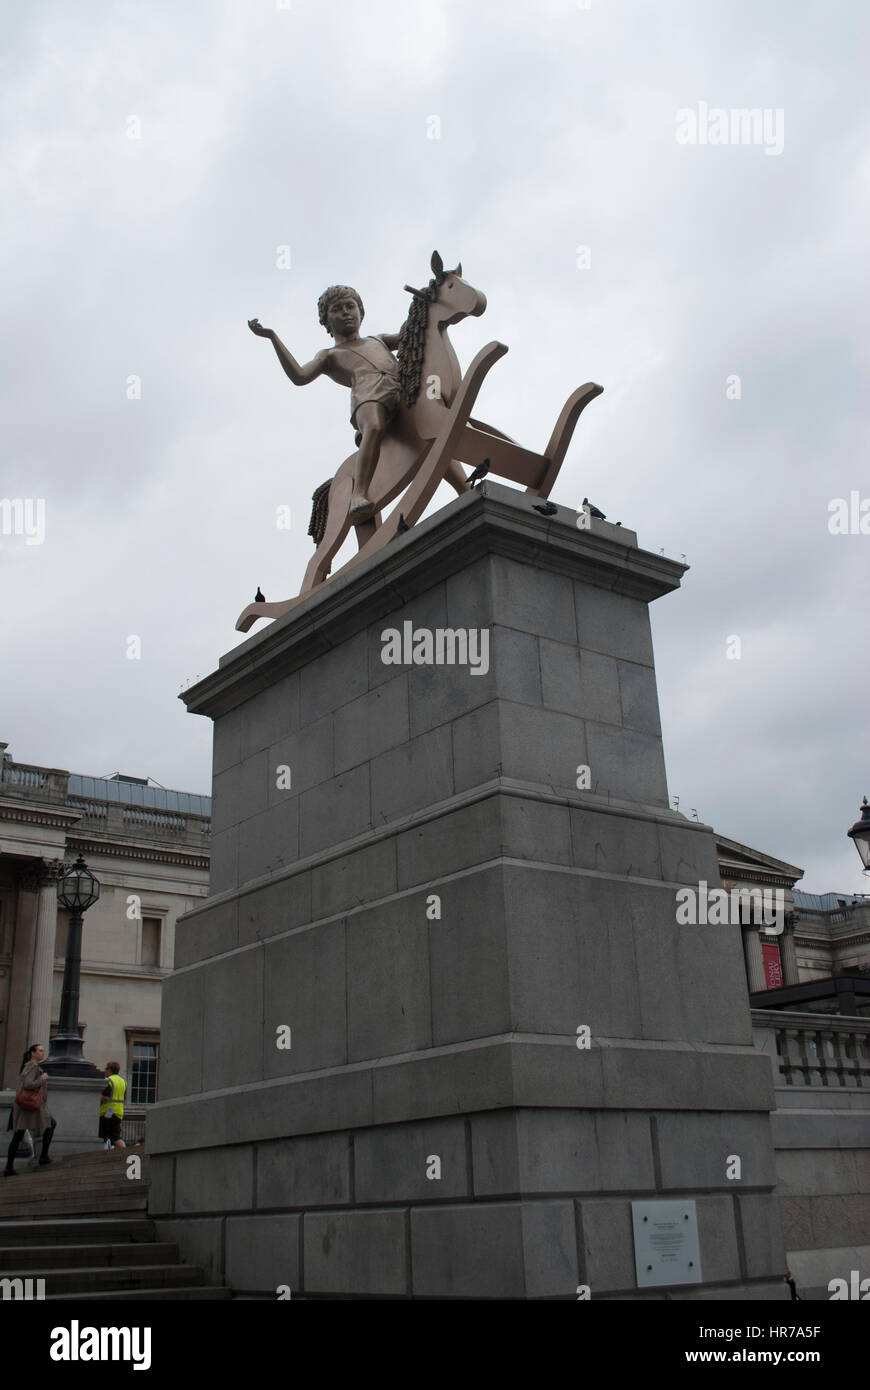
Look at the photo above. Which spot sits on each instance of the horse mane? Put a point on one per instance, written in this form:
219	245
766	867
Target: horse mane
412	338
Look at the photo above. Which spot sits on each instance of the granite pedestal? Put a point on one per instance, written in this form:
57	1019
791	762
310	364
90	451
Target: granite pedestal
427	883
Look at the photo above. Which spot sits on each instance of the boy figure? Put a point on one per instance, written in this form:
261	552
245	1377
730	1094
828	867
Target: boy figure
366	365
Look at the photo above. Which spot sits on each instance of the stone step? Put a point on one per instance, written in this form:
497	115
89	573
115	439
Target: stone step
83	1204
100	1254
76	1230
115	1277
100	1155
196	1291
50	1182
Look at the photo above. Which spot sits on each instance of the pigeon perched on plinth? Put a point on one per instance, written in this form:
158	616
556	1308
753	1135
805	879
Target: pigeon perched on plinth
259	596
479	473
545	508
593	510
402	525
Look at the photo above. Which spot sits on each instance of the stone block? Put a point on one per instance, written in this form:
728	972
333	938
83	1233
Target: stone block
542	746
615	843
612	623
626	764
535	1152
413	776
263	1254
312	1171
717	1239
533	828
356	1252
469	1251
464	1078
810	1172
334	811
161	1187
254	784
820	1129
370	725
275	908
440	694
606	1240
225	799
458	839
206	932
269	841
694	1151
224	866
391	1162
354	879
388	961
550	1250
639	698
309	754
181	1034
305	990
200	1243
688	855
515	658
761	1234
467	958
566	933
531	599
840	1220
334	678
271	715
468	596
477	747
227	743
428	609
232	1034
215	1180
291	1105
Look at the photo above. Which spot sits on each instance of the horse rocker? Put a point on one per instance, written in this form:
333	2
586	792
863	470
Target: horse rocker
412	419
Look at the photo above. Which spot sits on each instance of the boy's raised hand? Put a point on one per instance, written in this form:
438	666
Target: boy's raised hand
256	327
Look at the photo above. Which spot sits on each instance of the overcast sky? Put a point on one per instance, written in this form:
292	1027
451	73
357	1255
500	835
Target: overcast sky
155	156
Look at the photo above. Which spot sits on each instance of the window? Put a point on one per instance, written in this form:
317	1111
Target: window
143	1073
151	940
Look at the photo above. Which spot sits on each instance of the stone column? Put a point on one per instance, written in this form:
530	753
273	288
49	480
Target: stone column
43	958
21	975
754	961
788	956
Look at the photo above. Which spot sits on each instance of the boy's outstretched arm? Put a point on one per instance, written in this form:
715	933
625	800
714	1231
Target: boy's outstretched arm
390	340
300	376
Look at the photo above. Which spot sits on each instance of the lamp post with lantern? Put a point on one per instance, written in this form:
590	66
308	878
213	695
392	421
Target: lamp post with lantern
860	835
77	890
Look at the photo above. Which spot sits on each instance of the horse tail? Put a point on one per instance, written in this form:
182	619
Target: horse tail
319	511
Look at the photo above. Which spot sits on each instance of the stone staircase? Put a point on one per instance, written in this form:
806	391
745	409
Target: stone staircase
82	1225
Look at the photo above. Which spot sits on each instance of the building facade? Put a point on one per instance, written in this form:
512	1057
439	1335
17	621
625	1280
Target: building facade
148	847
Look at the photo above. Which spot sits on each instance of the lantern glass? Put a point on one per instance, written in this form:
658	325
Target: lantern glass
78	889
860	834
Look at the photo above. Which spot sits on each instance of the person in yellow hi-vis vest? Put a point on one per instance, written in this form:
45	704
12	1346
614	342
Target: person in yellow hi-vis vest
112	1107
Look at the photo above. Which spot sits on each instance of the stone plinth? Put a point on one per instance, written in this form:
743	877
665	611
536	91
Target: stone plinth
434	907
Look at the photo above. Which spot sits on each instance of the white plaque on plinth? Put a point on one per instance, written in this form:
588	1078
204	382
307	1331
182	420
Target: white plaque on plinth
666	1243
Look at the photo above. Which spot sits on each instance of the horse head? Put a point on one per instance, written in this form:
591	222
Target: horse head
454	298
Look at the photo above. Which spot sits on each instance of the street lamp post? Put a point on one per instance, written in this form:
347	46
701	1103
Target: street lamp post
860	835
77	890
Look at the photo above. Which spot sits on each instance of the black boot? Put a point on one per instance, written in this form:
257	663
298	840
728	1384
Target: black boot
9	1171
46	1140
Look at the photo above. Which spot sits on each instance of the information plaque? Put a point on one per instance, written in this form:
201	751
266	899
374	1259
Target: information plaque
666	1243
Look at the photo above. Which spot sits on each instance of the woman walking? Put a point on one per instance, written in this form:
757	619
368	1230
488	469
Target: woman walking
34	1080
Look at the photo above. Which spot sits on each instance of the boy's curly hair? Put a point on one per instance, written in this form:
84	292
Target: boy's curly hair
337	292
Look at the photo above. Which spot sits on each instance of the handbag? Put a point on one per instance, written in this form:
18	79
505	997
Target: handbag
29	1100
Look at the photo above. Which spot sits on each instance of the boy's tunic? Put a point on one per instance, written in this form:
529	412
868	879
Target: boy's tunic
376	378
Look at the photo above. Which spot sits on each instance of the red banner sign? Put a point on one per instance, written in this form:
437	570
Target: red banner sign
772	967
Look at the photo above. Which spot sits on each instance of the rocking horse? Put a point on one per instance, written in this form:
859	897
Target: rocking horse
429	435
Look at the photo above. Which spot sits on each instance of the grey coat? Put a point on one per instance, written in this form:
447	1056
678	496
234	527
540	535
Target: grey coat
32	1077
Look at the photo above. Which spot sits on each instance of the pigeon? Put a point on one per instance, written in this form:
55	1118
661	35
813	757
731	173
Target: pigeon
593	510
545	508
259	596
619	523
479	473
402	526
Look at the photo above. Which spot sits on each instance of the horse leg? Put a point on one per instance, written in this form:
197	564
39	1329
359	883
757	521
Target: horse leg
337	527
366	529
455	476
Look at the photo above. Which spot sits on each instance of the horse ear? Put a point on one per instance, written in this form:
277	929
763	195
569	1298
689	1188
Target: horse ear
458	270
437	265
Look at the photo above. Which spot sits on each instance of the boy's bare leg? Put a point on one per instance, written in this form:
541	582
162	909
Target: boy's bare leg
371	423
